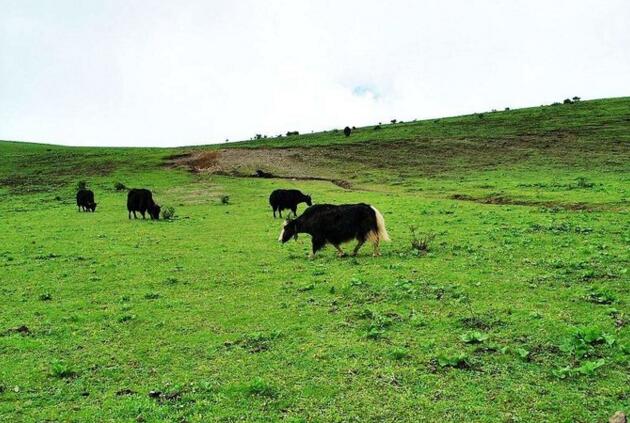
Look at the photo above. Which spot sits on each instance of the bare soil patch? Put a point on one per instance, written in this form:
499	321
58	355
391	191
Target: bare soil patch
290	163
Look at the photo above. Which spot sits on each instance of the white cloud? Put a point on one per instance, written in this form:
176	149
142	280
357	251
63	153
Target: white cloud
191	72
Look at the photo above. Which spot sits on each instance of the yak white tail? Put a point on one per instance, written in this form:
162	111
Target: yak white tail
381	232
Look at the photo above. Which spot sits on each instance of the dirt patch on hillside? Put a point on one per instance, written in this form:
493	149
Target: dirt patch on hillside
290	163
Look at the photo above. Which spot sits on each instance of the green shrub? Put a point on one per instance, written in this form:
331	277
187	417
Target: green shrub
47	296
583	341
168	212
601	296
458	360
61	370
588	368
420	241
474	337
260	388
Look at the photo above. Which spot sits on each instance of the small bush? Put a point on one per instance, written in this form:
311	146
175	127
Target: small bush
260	388
225	199
459	361
474	337
119	186
522	353
399	354
126	318
168	212
81	185
377	127
589	368
576	99
583	341
601	296
291	133
567	101
393	121
61	370
45	297
582	182
420	241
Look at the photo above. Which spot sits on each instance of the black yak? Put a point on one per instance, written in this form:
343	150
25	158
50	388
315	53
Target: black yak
330	224
85	200
282	199
141	200
347	131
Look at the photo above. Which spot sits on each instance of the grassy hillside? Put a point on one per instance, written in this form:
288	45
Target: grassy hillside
517	312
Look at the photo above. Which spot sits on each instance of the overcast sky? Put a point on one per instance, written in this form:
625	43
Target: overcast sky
165	73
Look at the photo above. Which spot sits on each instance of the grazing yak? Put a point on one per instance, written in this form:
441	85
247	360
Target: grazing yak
331	224
141	200
85	200
282	199
347	131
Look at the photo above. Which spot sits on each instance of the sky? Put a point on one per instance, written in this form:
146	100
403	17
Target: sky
171	73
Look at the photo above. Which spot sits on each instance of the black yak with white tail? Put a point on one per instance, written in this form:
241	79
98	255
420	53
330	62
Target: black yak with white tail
85	200
141	200
282	199
331	224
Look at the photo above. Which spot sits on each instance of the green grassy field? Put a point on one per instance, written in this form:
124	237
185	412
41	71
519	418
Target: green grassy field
517	312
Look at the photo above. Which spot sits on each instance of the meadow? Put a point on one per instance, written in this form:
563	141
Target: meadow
515	310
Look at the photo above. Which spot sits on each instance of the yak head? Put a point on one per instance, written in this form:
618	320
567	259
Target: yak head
92	207
289	230
307	199
154	211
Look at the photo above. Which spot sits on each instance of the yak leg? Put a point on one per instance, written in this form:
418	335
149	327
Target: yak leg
274	213
318	244
340	251
377	249
358	246
294	210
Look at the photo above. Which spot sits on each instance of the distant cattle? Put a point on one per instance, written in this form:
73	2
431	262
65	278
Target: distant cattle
283	199
331	224
347	131
85	200
141	200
